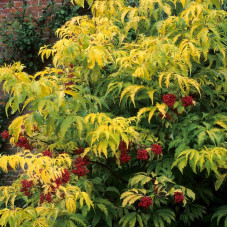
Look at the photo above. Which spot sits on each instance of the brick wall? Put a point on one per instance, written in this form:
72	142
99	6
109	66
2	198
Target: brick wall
35	6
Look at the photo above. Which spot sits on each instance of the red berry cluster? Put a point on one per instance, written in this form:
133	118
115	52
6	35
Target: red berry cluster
179	197
187	101
80	168
169	99
65	176
69	84
124	157
145	202
47	153
26	187
80	150
61	180
157	149
58	181
142	154
46	197
5	135
23	142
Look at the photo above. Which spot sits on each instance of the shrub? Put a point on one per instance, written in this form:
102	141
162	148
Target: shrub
128	127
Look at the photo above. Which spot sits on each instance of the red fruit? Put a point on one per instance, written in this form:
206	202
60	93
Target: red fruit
47	153
70	65
58	182
179	197
169	99
23	143
65	176
187	101
42	198
5	135
157	149
122	146
79	150
82	161
168	117
145	202
48	198
142	154
26	187
27	184
80	170
124	158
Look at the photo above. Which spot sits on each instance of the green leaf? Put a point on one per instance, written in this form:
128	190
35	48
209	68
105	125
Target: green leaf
219	181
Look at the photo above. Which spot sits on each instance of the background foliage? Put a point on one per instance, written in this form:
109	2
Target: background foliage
22	33
128	127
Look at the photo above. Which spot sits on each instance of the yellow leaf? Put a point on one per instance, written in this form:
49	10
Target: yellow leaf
78	2
151	95
70	205
152	110
15	127
142	111
87	200
183	3
162	108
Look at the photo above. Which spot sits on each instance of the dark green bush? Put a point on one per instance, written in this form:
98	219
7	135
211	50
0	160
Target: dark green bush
22	34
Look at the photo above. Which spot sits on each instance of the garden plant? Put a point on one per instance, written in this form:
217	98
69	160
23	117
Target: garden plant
128	126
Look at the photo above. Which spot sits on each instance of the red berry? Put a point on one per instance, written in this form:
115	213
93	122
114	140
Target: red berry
187	101
79	150
80	170
142	154
145	202
169	99
122	146
5	135
47	153
179	197
65	176
157	149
